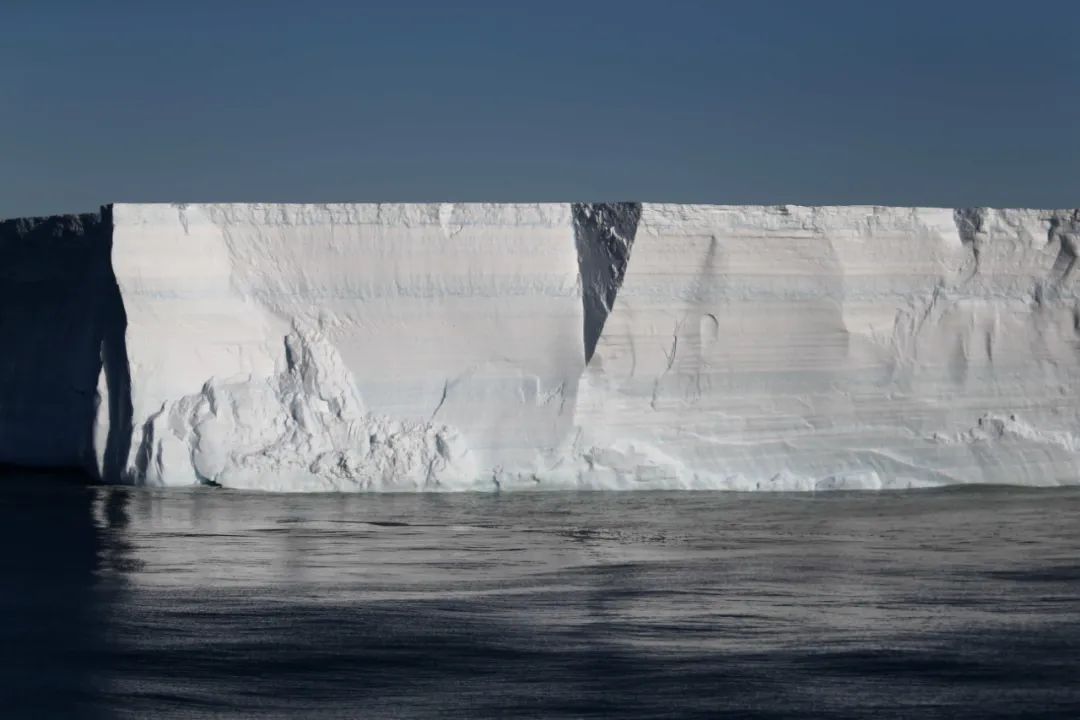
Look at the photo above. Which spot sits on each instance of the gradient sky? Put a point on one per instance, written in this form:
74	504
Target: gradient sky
818	101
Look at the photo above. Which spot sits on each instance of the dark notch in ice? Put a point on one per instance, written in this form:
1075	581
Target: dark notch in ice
970	224
1065	231
63	321
604	233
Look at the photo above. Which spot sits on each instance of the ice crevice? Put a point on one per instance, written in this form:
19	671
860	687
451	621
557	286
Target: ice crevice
622	345
604	236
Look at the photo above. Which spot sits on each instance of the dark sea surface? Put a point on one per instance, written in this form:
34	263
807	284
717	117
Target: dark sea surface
139	603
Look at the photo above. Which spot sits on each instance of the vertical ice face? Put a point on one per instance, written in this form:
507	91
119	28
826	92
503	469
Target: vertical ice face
446	327
811	348
619	345
62	324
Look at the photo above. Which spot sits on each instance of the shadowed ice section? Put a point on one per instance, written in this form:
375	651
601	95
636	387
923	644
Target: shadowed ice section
62	322
604	234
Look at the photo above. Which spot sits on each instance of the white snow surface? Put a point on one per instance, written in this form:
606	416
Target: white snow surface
411	347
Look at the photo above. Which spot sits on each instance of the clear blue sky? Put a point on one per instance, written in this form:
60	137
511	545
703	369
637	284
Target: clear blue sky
816	101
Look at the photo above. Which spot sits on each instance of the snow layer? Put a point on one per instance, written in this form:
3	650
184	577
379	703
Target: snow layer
469	346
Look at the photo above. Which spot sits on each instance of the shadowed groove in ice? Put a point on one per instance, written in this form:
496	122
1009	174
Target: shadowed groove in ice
604	233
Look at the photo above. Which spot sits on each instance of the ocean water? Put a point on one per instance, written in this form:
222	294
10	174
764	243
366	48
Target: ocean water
139	603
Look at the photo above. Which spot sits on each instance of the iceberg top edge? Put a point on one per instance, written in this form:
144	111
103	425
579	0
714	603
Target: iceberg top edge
500	212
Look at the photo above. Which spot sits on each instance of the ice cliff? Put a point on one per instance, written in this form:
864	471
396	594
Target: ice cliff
471	346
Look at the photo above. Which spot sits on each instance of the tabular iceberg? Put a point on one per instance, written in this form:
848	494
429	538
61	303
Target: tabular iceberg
479	346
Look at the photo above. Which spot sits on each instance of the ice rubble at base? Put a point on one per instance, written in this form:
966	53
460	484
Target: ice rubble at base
616	346
303	429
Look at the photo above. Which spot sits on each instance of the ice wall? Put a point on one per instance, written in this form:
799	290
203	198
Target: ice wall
471	346
832	347
62	333
349	346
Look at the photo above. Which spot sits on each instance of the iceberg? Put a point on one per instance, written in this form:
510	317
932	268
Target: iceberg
403	347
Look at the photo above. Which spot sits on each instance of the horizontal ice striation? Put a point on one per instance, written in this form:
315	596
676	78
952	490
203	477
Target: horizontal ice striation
838	347
605	345
441	344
